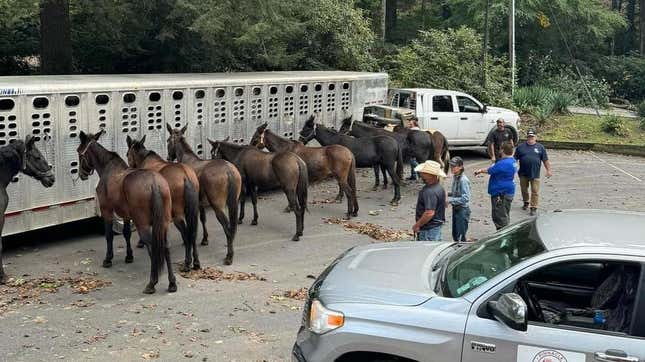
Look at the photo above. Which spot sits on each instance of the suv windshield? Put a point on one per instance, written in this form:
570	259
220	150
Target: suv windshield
473	265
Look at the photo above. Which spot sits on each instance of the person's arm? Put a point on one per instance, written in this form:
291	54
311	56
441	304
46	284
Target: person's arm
491	150
491	170
547	166
424	219
464	198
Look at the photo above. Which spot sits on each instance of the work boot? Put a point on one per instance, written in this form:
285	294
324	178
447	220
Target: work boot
533	211
526	206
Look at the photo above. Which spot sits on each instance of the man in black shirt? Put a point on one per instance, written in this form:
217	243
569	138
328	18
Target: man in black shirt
431	203
497	138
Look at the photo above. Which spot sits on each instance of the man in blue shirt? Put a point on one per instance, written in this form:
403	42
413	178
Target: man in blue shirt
431	203
501	186
459	199
531	155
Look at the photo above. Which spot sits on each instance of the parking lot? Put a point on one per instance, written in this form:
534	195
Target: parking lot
56	306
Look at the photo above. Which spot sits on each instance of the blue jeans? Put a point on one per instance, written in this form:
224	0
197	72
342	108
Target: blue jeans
433	234
413	164
460	218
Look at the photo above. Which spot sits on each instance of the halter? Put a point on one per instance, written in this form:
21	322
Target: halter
313	131
261	143
83	158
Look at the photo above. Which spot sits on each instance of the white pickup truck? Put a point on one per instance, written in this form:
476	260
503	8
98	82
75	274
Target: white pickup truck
464	120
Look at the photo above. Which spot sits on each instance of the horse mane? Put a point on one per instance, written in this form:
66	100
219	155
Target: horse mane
10	157
106	156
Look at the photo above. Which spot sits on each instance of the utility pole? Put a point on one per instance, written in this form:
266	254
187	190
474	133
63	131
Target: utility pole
511	43
383	17
485	46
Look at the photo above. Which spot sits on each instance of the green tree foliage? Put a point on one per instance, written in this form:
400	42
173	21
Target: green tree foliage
450	59
19	35
625	74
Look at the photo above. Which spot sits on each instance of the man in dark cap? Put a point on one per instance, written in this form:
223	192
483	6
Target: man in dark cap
531	155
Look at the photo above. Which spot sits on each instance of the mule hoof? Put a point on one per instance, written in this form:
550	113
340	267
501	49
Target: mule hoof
394	203
129	259
347	217
254	222
205	242
107	263
355	214
295	238
239	222
196	266
3	278
228	260
149	289
375	188
140	244
172	287
184	268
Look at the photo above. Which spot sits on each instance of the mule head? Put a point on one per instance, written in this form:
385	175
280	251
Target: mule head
258	137
174	141
216	151
137	151
346	126
84	150
308	131
32	161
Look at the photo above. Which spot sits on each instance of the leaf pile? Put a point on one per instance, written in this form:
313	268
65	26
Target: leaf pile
20	291
374	231
217	275
297	294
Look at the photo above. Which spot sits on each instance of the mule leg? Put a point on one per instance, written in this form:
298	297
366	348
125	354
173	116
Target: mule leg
146	237
339	197
376	178
242	204
127	233
350	203
172	281
202	218
4	200
109	238
181	226
397	185
384	170
254	200
223	220
293	202
3	276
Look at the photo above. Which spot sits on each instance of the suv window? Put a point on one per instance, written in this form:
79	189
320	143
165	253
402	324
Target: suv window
570	294
442	104
467	105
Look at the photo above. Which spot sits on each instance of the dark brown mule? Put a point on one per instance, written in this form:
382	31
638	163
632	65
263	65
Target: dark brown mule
266	171
322	162
184	190
141	196
220	185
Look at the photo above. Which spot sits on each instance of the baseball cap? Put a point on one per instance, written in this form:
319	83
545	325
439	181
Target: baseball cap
531	133
456	161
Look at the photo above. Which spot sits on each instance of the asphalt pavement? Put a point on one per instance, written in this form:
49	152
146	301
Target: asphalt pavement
61	304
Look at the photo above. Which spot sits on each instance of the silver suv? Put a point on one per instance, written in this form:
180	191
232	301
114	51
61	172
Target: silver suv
566	286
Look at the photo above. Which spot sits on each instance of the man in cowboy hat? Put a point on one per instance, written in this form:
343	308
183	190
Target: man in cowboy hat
531	155
431	203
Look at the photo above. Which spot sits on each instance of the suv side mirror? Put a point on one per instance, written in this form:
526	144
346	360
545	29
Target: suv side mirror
511	310
485	109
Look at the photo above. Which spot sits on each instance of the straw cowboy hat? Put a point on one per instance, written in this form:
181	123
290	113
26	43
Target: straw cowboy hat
431	167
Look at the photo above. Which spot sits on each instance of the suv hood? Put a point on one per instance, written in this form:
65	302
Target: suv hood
393	274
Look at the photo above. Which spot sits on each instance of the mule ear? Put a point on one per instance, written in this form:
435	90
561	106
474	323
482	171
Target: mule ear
30	140
213	143
228	138
98	134
129	141
143	139
168	127
83	137
184	129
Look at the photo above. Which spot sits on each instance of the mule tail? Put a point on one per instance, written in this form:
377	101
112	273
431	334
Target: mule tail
351	177
445	152
232	204
158	242
191	210
303	185
399	163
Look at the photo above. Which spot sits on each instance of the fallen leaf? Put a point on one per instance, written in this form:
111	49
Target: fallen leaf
150	355
374	231
215	274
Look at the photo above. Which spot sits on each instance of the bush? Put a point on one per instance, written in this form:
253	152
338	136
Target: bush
640	109
571	84
541	102
562	102
450	59
625	74
615	125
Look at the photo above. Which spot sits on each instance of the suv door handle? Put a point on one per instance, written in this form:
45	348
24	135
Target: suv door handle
434	118
612	355
464	118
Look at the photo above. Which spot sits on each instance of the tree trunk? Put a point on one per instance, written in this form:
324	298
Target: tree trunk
641	25
383	20
485	45
631	30
425	8
616	7
390	18
55	40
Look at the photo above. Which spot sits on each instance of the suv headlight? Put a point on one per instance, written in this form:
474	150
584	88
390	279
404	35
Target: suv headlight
323	320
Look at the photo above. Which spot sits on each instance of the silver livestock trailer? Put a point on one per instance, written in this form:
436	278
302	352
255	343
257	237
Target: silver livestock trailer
56	108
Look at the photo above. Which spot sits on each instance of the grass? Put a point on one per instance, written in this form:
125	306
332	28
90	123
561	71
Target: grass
588	128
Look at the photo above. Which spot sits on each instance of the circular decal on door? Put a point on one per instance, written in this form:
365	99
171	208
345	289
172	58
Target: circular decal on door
549	355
